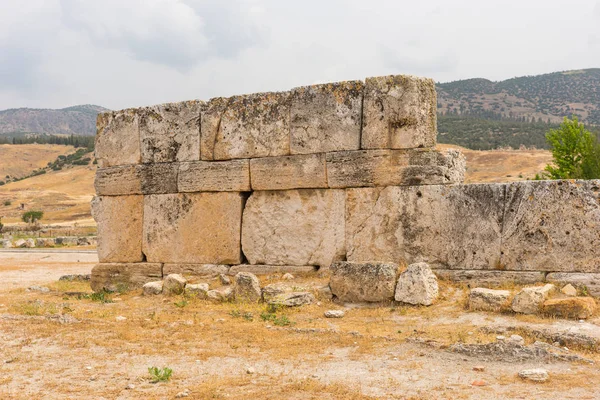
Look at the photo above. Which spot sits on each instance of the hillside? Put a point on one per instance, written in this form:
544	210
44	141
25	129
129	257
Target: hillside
77	120
19	161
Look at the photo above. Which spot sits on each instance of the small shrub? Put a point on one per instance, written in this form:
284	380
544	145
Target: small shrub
160	374
279	321
31	217
7	203
181	303
100	297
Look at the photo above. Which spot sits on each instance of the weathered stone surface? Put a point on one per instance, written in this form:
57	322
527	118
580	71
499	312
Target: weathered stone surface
274	289
118	138
289	172
569	290
530	299
197	270
123	180
324	292
21	243
170	132
570	307
482	299
326	118
535	375
225	280
287	277
193	228
490	278
123	276
589	282
223	294
152	288
158	178
174	284
552	226
199	290
214	176
30	243
294	227
456	227
272	269
334	314
399	112
246	287
6	244
349	169
119	220
368	282
417	285
255	125
292	299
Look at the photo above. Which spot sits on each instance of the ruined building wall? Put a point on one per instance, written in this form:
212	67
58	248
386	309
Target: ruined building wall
293	181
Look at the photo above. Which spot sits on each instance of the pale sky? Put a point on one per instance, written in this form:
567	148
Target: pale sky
129	53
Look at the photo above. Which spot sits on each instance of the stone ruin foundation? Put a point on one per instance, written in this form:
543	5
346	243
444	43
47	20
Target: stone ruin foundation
294	181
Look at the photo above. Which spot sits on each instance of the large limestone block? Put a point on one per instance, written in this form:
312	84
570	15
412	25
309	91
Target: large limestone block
214	176
588	282
530	299
552	226
399	112
250	126
294	227
118	138
196	270
570	307
455	227
137	179
170	132
326	117
119	220
490	278
483	299
246	287
358	282
417	285
193	228
362	168
289	172
115	277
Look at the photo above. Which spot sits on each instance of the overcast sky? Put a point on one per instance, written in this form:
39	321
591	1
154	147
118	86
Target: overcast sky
126	53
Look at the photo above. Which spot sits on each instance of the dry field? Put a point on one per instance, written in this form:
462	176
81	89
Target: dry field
21	160
64	344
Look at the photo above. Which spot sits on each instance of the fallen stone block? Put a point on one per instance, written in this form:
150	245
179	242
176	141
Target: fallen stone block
199	290
570	307
490	278
399	112
449	227
274	289
417	285
482	299
326	118
196	270
569	290
44	242
170	132
535	375
118	138
29	243
363	282
174	284
586	282
334	314
530	299
292	299
249	126
6	244
193	228
119	220
308	224
289	172
214	176
152	288
246	287
120	277
220	295
21	243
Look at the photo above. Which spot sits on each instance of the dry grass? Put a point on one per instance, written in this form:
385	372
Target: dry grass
20	160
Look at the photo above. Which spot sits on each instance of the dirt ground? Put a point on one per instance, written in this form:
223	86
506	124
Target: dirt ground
65	345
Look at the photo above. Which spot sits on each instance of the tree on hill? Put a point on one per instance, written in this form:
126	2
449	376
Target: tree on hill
575	152
31	217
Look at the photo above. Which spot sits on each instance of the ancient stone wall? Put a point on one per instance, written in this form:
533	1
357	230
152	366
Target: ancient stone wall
294	181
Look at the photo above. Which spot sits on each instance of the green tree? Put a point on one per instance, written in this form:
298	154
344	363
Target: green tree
31	217
575	152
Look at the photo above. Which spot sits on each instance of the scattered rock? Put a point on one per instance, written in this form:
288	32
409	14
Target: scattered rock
30	243
152	288
131	386
517	339
570	307
417	285
179	395
530	299
479	368
479	382
246	287
197	289
120	318
225	280
287	277
174	284
250	370
274	289
535	375
6	244
21	243
334	314
41	289
292	299
507	351
75	278
357	282
569	290
225	294
324	292
482	299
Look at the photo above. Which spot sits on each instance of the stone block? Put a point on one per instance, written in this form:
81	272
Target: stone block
363	282
483	299
490	278
114	181
158	178
152	288
530	299
193	228
289	172
119	220
214	176
584	281
174	284
552	226
449	227
170	132
399	112
118	138
198	290
246	287
294	227
250	126
120	277
293	299
570	307
326	118
196	270
417	285
272	269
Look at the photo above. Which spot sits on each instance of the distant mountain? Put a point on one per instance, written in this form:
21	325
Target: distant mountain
77	120
481	114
